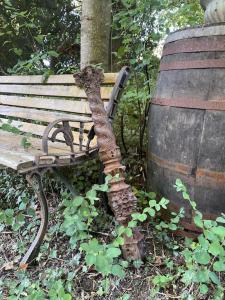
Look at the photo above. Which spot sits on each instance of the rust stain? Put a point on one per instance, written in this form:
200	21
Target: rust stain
193	45
177	167
191	103
121	199
193	64
203	177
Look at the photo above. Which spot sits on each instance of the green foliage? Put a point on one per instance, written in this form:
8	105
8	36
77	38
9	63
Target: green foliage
39	36
139	28
9	128
180	14
204	258
197	265
102	257
79	215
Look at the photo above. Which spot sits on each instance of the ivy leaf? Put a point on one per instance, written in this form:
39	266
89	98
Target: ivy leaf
132	224
90	259
163	202
128	232
173	227
152	203
214	278
203	289
103	264
219	266
216	249
179	182
152	195
119	241
39	38
202	276
203	242
117	270
186	196
18	51
208	224
198	220
113	252
150	211
92	196
202	257
25	143
220	220
78	201
188	277
219	230
53	53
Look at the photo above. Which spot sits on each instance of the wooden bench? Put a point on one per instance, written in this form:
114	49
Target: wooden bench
56	117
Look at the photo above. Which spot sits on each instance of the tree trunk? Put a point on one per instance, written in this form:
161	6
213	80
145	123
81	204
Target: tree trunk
95	33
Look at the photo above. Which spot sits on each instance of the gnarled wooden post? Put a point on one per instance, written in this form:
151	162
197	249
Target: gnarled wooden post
121	199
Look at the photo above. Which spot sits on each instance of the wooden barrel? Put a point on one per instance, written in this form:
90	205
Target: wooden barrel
186	133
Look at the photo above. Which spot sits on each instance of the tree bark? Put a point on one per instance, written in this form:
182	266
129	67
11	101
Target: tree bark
95	33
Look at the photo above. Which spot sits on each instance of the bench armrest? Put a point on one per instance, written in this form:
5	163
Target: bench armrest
117	91
66	130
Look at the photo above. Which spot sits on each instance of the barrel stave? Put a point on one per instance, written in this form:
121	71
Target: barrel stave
187	122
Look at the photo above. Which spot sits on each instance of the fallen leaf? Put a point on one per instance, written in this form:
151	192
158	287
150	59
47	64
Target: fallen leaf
8	266
23	266
158	261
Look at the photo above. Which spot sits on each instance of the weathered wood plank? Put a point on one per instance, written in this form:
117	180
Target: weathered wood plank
40	115
192	137
12	142
80	107
14	156
51	90
36	129
12	159
109	78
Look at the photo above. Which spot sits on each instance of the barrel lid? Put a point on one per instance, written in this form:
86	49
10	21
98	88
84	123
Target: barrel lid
199	31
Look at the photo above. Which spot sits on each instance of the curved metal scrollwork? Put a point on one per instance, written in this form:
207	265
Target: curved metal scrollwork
66	130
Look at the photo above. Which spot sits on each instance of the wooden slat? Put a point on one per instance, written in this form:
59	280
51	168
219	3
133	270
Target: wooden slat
35	129
12	142
109	78
12	159
14	156
40	115
51	90
81	107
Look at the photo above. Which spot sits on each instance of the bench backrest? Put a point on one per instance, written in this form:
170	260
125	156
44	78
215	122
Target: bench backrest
31	104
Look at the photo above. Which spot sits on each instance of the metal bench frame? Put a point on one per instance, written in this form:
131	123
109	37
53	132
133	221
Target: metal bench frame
34	174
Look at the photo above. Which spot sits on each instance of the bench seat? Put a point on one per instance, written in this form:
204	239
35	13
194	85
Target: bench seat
13	155
45	125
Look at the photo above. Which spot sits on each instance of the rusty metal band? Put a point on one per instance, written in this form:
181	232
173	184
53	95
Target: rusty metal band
173	166
193	64
218	105
193	45
202	177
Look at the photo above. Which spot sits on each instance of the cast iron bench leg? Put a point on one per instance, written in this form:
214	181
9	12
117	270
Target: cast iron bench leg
34	179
